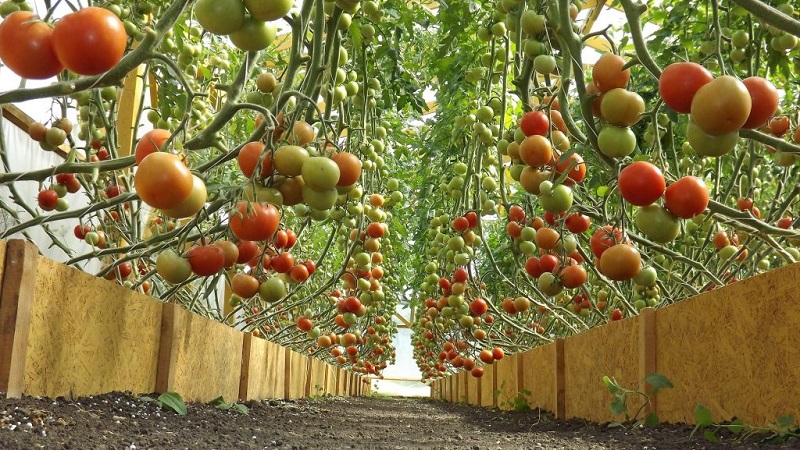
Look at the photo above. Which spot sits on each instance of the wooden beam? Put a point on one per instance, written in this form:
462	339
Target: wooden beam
130	101
24	121
403	320
16	306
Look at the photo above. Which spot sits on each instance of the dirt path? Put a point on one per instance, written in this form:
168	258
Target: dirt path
123	422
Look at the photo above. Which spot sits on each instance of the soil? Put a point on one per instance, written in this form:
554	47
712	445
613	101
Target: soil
121	421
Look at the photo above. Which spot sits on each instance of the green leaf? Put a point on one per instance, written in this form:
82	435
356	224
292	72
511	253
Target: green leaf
711	436
786	421
146	399
241	409
702	416
615	425
610	385
602	191
658	380
618	406
736	426
651	420
218	401
173	401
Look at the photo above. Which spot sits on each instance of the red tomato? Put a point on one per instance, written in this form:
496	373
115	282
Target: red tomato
460	275
90	41
679	82
460	224
478	307
47	199
283	262
254	221
533	267
548	263
577	223
641	183
247	251
764	98
687	197
206	260
151	142
26	46
603	239
472	218
578	171
248	159
535	122
516	213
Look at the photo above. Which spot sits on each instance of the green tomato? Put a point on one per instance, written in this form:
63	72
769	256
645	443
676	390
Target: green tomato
657	223
616	142
559	200
171	266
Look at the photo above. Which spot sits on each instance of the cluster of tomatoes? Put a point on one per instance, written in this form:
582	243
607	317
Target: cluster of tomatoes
246	22
618	107
89	41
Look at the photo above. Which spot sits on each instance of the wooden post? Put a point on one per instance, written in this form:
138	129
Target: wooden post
647	353
130	99
309	376
561	396
244	378
165	374
287	373
16	305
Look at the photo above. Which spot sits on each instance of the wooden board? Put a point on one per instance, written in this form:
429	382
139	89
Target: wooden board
612	350
330	380
341	382
734	350
91	336
266	368
506	382
298	370
539	377
206	357
17	290
473	389
487	387
317	378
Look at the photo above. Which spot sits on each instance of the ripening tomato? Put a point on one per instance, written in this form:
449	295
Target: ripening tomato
573	276
785	223
206	260
90	41
516	213
621	262
249	156
721	106
607	72
151	142
536	151
764	99
687	197
621	107
641	183
247	251
163	181
578	168
679	83
254	221
778	126
604	238
349	168
577	223
26	46
534	122
244	285
231	252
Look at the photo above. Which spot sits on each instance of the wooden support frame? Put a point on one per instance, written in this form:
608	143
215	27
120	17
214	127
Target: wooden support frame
23	121
16	304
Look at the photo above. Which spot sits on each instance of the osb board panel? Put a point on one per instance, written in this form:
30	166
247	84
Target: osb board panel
507	382
317	377
90	336
266	370
297	375
458	387
487	386
208	358
734	350
539	376
448	388
473	389
612	350
330	381
341	382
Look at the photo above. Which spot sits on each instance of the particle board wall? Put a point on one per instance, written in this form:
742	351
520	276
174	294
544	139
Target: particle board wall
90	336
298	371
206	357
611	349
473	389
330	380
317	377
487	387
506	372
734	350
538	368
266	370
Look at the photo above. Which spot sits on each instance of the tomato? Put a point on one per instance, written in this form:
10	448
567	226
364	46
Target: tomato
535	123
478	307
721	106
532	178
658	224
219	16
254	221
687	197
783	222
546	238
248	159
81	230
551	218
247	251
163	181
558	201
472	218
744	203
319	200
607	72
349	168
299	273
172	268
90	41
558	122
47	199
231	252
282	262
272	290
516	213
289	159
291	239
577	223
641	183
778	126
280	239
305	324
621	107
604	238
192	204
26	47
536	151
578	171
268	10
548	263
573	276
764	99
244	285
206	260
679	83
253	35
621	262
591	90
705	144
460	224
320	173
616	142
151	142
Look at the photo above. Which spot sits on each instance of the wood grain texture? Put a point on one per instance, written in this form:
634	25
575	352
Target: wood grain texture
317	377
330	380
297	374
341	382
487	387
506	373
18	267
538	367
207	358
734	350
90	336
266	367
611	349
473	390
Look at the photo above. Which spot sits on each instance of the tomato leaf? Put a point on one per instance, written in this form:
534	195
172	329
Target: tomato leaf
173	401
711	436
702	416
651	420
658	381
